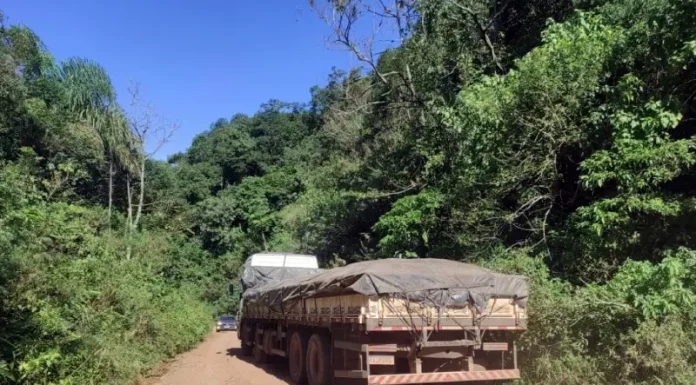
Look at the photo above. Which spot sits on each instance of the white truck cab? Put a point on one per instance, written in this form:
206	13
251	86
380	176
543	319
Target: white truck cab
275	260
284	260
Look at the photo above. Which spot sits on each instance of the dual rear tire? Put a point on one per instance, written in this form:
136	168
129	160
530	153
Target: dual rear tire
262	349
297	349
246	334
310	359
260	355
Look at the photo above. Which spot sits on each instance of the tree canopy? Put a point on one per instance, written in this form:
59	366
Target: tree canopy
548	138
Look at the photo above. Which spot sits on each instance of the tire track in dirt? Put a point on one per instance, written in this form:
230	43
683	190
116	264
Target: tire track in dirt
219	361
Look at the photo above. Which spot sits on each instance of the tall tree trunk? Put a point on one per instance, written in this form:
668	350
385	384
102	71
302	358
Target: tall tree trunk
129	220
142	194
111	184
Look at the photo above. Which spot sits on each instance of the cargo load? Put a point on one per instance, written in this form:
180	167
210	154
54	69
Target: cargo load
433	282
386	321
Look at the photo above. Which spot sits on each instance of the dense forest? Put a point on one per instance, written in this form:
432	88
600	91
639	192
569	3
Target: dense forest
551	138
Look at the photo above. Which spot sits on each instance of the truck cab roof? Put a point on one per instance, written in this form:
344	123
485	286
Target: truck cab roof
280	259
267	267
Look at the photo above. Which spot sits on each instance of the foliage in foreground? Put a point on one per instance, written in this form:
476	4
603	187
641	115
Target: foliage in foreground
636	329
81	300
74	310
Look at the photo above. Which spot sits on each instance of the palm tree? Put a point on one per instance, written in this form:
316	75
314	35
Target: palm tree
91	95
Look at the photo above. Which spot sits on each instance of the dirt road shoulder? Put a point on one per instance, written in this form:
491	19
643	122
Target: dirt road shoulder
217	361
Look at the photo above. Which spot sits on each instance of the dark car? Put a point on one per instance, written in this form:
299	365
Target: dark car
226	322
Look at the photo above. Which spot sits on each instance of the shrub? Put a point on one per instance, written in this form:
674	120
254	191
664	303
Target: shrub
77	312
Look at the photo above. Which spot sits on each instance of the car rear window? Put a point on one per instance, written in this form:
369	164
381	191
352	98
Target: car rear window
227	319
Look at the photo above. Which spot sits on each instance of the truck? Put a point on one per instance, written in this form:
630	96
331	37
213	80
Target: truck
387	321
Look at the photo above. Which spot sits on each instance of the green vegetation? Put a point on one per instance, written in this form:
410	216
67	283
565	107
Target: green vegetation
84	299
549	138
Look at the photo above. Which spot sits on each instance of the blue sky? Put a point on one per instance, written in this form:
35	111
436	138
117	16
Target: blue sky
197	61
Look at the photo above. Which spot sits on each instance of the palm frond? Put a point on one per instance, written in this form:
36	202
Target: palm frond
91	96
88	89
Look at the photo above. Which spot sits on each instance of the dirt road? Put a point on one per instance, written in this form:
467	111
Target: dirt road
219	361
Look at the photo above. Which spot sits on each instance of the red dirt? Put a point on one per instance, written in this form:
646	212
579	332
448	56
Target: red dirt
219	361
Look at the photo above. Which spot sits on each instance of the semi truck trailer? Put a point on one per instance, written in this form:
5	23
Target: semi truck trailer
388	321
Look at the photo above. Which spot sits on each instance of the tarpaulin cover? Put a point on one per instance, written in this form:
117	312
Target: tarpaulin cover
253	276
436	282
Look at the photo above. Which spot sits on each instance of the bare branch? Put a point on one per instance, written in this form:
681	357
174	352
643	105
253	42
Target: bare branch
342	19
146	125
483	31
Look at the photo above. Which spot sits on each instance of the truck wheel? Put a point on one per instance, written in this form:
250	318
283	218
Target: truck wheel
297	350
247	347
260	355
268	346
319	360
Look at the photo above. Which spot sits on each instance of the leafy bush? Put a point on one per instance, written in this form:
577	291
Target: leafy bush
635	329
80	312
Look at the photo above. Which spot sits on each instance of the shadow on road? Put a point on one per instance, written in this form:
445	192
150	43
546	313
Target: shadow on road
278	367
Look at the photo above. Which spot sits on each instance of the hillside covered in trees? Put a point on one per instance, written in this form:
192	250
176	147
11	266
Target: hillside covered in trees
551	138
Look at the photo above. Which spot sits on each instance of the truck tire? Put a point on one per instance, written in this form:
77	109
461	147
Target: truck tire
297	352
319	360
268	346
247	347
260	355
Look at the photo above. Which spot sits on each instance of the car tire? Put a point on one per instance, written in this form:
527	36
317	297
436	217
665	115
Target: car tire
318	360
